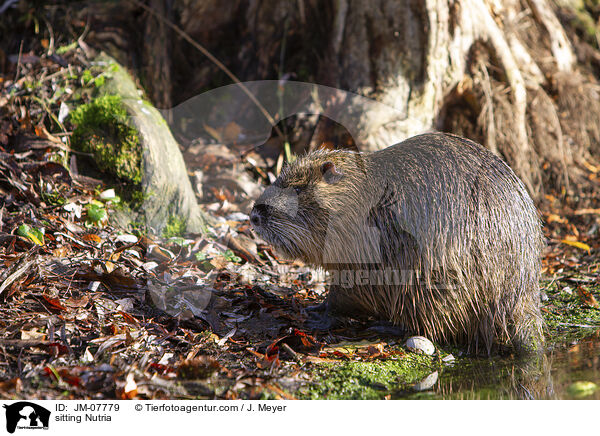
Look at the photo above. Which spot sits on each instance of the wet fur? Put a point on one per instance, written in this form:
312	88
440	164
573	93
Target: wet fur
440	208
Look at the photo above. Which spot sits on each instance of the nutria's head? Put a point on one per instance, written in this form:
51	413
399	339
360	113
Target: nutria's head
295	212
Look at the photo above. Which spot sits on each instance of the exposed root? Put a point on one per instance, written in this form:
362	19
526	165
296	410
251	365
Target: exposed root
548	140
493	35
579	110
488	110
525	103
559	44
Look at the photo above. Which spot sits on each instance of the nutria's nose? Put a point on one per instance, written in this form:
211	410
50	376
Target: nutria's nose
258	216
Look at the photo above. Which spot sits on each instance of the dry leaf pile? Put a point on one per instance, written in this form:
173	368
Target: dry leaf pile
88	310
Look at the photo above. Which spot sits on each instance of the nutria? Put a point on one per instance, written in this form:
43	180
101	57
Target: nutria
435	234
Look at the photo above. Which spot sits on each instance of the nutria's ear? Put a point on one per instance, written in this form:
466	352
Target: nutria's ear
331	173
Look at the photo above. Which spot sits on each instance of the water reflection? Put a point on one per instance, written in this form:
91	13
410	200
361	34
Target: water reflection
551	376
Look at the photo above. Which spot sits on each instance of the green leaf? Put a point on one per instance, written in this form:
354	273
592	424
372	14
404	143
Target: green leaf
231	257
34	235
95	213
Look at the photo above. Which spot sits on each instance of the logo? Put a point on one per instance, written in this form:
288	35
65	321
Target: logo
26	415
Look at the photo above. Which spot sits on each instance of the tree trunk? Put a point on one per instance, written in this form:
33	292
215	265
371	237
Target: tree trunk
165	185
521	77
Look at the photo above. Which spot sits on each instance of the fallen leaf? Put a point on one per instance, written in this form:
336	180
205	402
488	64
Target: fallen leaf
77	302
61	251
213	132
69	377
32	334
130	389
201	367
231	132
92	237
587	297
14	384
553	218
34	235
577	244
54	302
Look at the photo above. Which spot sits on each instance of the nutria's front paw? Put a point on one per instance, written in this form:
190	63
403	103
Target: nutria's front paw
319	317
318	308
322	322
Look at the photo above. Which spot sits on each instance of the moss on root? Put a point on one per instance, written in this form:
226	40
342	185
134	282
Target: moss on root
102	128
176	226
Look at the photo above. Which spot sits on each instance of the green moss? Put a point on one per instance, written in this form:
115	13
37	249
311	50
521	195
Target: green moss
367	380
136	199
102	128
231	257
99	81
176	226
53	198
566	314
66	48
32	85
87	77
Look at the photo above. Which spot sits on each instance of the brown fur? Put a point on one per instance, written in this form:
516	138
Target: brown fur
446	216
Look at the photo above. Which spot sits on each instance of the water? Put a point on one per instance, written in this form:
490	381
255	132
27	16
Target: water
551	376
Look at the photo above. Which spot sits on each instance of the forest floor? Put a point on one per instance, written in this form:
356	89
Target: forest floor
88	310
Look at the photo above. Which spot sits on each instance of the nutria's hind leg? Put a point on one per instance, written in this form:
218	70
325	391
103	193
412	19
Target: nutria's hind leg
527	337
525	325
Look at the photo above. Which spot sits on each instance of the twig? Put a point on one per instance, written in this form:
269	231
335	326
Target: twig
279	391
291	352
7	4
19	61
214	60
49	112
19	270
51	40
83	35
22	343
587	212
585	326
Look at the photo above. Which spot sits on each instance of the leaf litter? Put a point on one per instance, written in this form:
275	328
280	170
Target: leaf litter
88	310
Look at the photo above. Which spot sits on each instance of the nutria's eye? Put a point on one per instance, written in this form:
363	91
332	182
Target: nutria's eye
331	173
298	189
